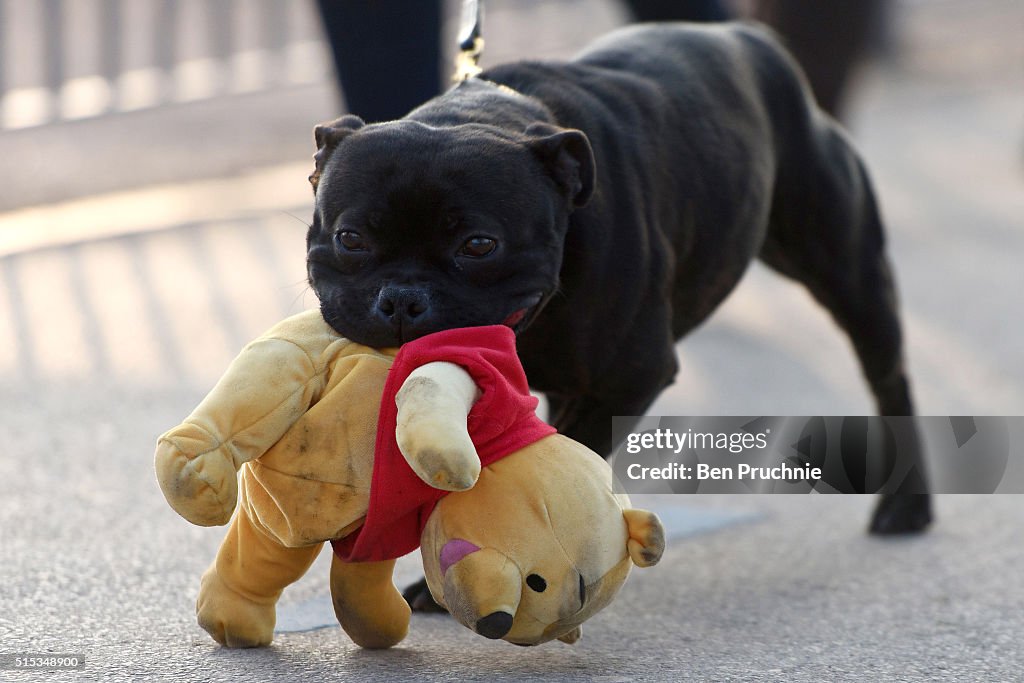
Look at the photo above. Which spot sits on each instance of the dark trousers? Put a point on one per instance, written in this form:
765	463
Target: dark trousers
387	53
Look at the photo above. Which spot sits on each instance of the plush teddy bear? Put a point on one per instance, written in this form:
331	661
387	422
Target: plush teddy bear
379	451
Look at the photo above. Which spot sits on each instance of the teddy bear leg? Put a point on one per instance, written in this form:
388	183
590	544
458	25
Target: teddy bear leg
240	589
367	604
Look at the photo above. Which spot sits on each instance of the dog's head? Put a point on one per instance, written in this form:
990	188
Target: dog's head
417	228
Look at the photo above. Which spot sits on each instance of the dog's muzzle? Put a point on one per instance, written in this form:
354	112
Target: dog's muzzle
403	308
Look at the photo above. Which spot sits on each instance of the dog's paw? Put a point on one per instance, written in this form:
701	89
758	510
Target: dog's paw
419	598
901	514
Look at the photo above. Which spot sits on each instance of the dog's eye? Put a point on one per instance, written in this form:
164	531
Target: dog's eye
349	240
536	582
477	247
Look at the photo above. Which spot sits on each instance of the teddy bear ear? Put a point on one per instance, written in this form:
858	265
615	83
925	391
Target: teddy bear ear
646	542
327	136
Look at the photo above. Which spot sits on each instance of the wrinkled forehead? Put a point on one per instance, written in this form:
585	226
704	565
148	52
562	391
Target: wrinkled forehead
397	154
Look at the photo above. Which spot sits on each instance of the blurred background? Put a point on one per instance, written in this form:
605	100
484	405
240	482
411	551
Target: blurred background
153	208
154	157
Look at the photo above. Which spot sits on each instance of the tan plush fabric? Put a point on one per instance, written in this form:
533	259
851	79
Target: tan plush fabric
297	414
304	401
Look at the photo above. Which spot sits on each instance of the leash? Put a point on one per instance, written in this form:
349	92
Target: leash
471	45
471	42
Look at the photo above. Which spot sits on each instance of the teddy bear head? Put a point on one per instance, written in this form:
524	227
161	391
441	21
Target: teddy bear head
537	546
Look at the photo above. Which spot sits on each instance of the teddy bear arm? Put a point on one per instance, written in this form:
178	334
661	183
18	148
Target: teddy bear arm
203	487
431	431
260	396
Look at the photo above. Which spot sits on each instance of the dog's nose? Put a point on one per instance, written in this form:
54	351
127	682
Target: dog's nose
402	304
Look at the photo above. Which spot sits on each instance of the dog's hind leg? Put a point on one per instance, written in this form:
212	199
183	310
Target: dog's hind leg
825	231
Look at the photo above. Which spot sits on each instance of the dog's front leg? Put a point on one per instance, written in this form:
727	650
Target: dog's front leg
588	419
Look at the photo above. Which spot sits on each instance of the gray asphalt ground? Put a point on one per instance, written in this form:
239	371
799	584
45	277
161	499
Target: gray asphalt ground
106	342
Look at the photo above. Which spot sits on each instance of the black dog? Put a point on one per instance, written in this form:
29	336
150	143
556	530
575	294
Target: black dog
603	208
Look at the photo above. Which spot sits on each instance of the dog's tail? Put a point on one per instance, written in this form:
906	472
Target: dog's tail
471	42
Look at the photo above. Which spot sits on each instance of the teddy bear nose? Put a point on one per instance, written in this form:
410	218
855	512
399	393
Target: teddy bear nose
494	625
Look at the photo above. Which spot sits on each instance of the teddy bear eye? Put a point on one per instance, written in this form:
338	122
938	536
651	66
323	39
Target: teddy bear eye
536	582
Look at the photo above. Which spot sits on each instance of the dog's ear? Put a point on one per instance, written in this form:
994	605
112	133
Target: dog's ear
567	155
327	136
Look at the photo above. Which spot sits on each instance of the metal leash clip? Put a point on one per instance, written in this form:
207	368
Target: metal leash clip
471	42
